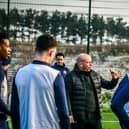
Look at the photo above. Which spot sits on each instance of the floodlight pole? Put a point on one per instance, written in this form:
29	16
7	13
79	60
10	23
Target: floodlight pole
8	19
89	28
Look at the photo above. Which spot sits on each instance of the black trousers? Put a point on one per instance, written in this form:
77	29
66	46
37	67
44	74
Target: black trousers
87	125
89	121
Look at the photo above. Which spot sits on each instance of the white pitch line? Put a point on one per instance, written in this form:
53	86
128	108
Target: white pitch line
108	121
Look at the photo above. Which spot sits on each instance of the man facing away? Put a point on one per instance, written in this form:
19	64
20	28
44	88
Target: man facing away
38	94
60	64
83	86
5	51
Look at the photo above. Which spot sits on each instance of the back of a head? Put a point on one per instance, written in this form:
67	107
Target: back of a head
44	43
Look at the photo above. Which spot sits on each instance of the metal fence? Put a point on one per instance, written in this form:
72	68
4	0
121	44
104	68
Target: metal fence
13	22
25	20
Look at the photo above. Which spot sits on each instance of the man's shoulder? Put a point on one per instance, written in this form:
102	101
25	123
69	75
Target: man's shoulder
125	79
71	74
94	72
22	69
1	74
54	65
67	68
127	75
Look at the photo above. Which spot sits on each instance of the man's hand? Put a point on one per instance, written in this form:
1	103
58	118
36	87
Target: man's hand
115	74
71	119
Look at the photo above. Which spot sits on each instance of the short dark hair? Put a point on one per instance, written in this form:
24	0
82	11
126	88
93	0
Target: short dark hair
3	35
59	54
45	42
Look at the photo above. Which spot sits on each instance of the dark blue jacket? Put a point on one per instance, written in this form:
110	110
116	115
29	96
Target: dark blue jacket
3	107
120	98
63	69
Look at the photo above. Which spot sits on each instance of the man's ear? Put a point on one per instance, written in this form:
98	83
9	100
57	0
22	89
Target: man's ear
50	52
80	65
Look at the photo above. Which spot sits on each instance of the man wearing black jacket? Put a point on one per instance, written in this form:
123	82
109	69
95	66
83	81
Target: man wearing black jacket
83	86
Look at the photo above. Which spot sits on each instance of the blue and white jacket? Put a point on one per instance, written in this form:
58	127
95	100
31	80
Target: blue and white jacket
63	69
39	99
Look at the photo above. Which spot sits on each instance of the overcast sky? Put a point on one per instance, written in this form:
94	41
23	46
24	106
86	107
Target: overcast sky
119	8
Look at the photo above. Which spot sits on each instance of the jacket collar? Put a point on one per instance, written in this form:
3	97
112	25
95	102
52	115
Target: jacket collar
59	65
76	69
39	62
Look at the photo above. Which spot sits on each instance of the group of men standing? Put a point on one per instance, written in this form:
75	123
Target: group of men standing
46	96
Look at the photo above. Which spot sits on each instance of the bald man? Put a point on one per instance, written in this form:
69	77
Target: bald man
83	86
